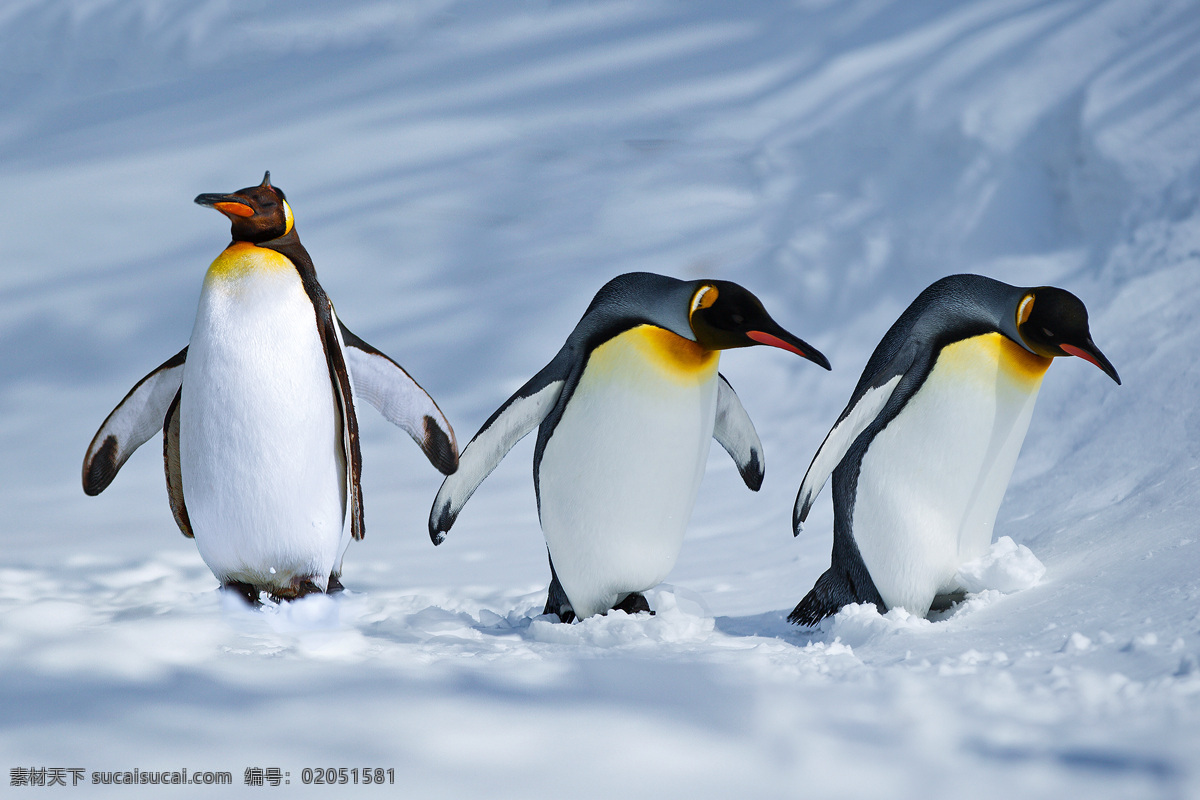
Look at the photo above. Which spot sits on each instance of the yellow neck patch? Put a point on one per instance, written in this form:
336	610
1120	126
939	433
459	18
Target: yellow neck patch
243	258
990	354
668	353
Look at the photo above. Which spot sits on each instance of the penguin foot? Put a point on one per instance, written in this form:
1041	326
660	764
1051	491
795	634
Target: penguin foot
299	587
943	601
245	591
565	614
559	608
633	603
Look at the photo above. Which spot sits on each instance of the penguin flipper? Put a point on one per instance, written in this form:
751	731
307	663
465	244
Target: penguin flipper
135	419
384	384
343	391
171	466
862	410
735	432
519	415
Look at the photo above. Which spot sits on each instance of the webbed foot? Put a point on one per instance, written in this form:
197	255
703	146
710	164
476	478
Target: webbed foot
245	591
633	603
942	602
299	587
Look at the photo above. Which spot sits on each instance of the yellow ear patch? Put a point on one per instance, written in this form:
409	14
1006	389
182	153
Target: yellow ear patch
288	220
704	297
1024	310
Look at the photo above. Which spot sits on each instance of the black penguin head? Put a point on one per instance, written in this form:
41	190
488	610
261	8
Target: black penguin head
724	315
1053	322
258	213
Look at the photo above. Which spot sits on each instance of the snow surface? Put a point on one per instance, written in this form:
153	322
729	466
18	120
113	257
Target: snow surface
466	175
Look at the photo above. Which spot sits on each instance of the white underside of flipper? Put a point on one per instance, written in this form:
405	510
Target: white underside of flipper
931	482
260	442
837	442
620	473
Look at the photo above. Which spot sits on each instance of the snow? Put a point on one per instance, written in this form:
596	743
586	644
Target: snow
1007	567
465	176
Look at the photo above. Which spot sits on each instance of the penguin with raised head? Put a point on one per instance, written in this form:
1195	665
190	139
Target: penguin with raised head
627	410
923	452
260	437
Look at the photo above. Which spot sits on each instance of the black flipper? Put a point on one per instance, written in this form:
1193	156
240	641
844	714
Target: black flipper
171	467
557	602
386	385
135	419
734	431
343	393
519	415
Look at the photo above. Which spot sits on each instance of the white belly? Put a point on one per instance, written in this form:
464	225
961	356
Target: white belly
620	473
259	435
931	482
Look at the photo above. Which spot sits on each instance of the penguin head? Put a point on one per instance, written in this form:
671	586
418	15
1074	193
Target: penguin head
724	315
1053	322
258	213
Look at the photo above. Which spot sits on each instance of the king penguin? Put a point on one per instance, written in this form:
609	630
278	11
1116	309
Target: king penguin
923	452
627	410
260	437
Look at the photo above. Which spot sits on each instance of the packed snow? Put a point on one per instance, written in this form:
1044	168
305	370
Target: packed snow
465	176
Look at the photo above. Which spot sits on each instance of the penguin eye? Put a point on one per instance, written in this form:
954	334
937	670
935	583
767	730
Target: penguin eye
738	319
1049	333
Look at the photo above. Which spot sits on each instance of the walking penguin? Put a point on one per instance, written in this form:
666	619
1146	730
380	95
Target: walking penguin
925	448
627	410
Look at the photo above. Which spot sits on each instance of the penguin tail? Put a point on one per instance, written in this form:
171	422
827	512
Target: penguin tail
825	599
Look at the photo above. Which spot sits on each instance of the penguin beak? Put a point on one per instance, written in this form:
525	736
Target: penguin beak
793	344
231	205
1089	352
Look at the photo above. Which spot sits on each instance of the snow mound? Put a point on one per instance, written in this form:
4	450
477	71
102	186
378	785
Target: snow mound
857	624
1006	567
